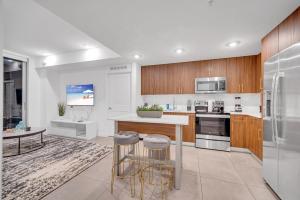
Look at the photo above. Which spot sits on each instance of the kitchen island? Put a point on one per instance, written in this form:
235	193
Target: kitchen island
167	124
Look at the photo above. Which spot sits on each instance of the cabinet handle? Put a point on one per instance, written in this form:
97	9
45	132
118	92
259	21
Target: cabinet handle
260	84
242	87
239	88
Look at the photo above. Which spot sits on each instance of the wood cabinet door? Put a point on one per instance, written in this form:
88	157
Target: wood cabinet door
146	81
187	78
202	68
260	138
259	74
270	44
253	135
160	79
286	32
234	66
173	79
218	68
297	26
248	75
237	131
256	146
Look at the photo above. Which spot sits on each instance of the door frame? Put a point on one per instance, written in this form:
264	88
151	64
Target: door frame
25	64
119	69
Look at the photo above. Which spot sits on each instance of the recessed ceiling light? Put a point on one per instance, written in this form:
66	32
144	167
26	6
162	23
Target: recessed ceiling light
233	44
179	51
50	60
137	56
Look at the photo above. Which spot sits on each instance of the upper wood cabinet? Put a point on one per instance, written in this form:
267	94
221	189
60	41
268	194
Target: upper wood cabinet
282	36
234	71
211	68
153	80
241	74
248	75
179	78
186	78
289	30
270	45
218	68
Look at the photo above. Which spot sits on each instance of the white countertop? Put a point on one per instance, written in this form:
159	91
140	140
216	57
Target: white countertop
71	121
165	119
252	114
179	111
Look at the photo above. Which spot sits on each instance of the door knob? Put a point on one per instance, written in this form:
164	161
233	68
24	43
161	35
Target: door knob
109	108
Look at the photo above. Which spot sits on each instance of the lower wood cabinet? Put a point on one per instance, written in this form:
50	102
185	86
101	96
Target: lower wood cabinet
246	132
189	130
237	130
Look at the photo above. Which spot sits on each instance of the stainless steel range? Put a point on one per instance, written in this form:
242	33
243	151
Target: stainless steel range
212	126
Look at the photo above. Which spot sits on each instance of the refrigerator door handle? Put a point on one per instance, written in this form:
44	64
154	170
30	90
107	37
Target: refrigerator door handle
277	80
273	107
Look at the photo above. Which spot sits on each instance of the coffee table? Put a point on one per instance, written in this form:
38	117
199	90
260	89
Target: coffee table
23	134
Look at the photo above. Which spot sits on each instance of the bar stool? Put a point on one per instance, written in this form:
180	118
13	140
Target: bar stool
125	158
156	161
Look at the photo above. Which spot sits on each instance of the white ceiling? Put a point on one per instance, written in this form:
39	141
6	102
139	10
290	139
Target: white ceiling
153	28
33	30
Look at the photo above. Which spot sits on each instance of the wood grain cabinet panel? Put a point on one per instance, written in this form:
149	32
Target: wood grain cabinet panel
188	131
270	44
233	75
254	136
202	68
218	68
297	26
248	75
237	131
187	78
148	128
179	78
241	74
286	32
246	132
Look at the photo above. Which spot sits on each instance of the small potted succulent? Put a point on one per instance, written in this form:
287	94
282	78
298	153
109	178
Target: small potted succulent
61	109
154	111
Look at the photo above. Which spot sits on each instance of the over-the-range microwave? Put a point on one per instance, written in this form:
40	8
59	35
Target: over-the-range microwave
210	85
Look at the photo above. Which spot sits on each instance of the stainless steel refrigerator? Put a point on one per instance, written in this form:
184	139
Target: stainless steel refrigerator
281	145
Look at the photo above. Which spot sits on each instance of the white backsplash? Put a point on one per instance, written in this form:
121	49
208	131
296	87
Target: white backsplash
250	102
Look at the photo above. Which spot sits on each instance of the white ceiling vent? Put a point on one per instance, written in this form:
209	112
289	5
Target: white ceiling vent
121	68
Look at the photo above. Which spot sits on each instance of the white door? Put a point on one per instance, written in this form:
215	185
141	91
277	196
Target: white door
118	96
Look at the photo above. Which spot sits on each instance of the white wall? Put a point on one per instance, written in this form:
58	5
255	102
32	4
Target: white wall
85	76
53	90
33	93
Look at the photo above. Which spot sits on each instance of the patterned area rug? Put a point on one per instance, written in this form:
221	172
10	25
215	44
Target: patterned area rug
34	175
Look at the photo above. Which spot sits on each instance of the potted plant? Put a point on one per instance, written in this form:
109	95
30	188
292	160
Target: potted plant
61	109
154	111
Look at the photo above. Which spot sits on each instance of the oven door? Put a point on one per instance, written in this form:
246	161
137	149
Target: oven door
213	127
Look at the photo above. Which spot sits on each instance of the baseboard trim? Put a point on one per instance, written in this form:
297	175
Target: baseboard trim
244	150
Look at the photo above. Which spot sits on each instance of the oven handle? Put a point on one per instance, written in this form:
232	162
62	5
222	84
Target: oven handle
213	116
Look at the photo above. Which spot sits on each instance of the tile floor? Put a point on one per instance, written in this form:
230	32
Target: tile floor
207	175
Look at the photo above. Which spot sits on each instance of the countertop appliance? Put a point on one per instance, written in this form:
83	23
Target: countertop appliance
210	85
238	104
281	118
212	128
